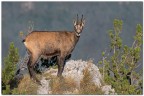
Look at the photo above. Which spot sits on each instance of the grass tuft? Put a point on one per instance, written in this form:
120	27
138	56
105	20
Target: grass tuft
26	86
63	85
87	87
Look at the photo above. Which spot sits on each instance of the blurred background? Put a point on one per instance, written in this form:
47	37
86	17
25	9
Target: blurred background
59	16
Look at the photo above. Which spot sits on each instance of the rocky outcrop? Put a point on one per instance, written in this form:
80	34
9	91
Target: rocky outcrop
74	69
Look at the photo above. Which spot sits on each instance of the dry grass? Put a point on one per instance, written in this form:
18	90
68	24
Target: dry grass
63	85
87	86
26	86
69	86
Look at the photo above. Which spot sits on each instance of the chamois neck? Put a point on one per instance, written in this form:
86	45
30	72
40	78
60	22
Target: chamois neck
76	36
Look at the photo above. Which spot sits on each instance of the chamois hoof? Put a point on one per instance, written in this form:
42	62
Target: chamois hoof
60	77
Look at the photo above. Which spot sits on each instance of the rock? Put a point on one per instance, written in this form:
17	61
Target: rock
44	89
74	69
108	90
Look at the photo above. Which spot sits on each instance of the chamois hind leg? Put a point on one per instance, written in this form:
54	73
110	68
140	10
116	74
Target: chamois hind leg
31	64
60	66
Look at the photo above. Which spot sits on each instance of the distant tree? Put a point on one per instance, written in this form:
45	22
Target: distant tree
120	64
9	68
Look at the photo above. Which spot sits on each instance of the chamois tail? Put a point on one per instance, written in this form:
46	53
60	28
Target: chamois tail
23	40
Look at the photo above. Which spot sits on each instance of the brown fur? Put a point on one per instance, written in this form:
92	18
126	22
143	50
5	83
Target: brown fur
51	43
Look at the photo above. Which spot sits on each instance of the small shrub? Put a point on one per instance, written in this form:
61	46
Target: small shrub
8	71
119	66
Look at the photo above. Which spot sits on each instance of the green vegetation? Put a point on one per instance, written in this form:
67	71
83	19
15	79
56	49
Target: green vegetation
8	70
119	65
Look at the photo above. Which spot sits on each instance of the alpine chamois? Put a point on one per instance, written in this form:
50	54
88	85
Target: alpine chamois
52	43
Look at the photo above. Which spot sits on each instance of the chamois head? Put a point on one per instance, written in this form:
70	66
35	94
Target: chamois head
78	25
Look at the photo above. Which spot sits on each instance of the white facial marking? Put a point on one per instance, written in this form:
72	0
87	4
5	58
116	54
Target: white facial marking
79	28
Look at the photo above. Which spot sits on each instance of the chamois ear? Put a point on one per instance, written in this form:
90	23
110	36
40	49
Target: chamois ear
83	22
74	22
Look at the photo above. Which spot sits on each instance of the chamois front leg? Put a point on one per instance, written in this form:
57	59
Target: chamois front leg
60	66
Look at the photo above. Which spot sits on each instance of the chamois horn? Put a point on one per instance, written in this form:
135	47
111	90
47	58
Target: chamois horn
77	18
82	18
